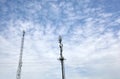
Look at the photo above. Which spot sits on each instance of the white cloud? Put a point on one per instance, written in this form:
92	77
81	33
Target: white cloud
91	48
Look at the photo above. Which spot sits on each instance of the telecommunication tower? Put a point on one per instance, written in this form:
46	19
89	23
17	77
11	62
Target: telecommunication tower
61	57
18	75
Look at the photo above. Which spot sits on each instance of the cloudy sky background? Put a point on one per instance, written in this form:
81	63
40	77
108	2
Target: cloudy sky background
91	37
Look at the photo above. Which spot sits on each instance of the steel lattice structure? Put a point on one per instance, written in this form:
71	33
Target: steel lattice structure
18	75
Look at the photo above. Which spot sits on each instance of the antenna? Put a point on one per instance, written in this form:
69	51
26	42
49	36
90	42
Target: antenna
18	75
61	57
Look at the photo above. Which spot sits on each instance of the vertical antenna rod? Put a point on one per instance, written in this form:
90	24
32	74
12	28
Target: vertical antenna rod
18	76
61	57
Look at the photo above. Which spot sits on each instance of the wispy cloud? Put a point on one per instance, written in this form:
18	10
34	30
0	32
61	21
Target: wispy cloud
91	36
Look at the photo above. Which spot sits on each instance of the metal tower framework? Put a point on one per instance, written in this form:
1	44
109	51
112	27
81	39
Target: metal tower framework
61	57
18	75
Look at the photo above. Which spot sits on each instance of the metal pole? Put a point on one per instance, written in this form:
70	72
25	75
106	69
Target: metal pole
61	57
18	76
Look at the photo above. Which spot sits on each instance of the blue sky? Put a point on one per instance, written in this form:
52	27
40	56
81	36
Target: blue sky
91	36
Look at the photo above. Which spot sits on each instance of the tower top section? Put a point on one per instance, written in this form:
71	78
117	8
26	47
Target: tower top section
23	33
60	39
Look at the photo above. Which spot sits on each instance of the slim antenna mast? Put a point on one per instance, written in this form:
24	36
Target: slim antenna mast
61	57
18	75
